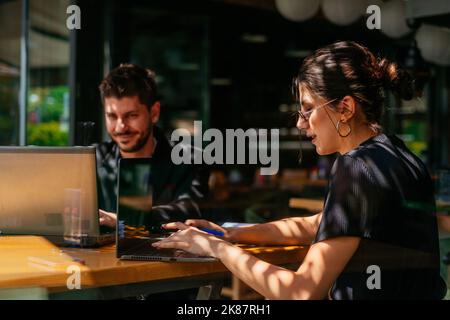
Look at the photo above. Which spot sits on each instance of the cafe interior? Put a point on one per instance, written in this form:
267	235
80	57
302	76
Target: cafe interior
226	63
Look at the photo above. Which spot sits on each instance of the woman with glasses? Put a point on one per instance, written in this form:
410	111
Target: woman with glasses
376	237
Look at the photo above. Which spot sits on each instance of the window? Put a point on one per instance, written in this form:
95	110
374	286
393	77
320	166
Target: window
175	47
10	27
47	90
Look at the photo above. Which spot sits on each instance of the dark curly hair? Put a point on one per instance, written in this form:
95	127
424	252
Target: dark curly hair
129	80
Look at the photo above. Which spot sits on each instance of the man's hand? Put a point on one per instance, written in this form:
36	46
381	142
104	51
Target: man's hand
107	219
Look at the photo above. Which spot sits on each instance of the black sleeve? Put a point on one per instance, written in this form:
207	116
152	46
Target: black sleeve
353	201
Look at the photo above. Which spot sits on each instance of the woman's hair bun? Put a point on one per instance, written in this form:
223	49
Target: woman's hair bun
398	80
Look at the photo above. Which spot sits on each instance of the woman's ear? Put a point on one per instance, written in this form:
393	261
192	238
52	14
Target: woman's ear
347	108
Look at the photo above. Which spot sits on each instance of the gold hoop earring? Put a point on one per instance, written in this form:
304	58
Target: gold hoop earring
338	127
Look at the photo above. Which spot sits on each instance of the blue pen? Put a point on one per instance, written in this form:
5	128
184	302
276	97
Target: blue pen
213	232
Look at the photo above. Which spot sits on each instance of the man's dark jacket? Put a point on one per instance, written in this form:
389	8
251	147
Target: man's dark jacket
178	190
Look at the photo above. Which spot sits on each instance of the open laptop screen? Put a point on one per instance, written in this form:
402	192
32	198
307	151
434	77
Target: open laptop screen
135	226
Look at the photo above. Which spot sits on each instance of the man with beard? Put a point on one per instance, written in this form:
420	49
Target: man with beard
131	108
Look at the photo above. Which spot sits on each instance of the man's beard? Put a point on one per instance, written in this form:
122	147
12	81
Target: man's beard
140	143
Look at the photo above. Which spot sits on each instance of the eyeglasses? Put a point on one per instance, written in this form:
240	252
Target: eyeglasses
306	115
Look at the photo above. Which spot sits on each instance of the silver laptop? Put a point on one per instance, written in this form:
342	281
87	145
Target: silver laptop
51	191
137	226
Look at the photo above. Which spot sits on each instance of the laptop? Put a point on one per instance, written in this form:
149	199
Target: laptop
51	192
137	228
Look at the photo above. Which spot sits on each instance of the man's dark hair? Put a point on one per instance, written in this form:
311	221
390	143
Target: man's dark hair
130	80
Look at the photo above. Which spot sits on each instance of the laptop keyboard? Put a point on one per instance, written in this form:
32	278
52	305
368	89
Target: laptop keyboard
143	250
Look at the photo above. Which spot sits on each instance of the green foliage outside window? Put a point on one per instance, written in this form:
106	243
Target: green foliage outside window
47	119
46	134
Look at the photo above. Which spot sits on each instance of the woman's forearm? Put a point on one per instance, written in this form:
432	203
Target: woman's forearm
271	281
321	266
290	231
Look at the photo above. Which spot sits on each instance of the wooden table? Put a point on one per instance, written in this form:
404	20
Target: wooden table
34	262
